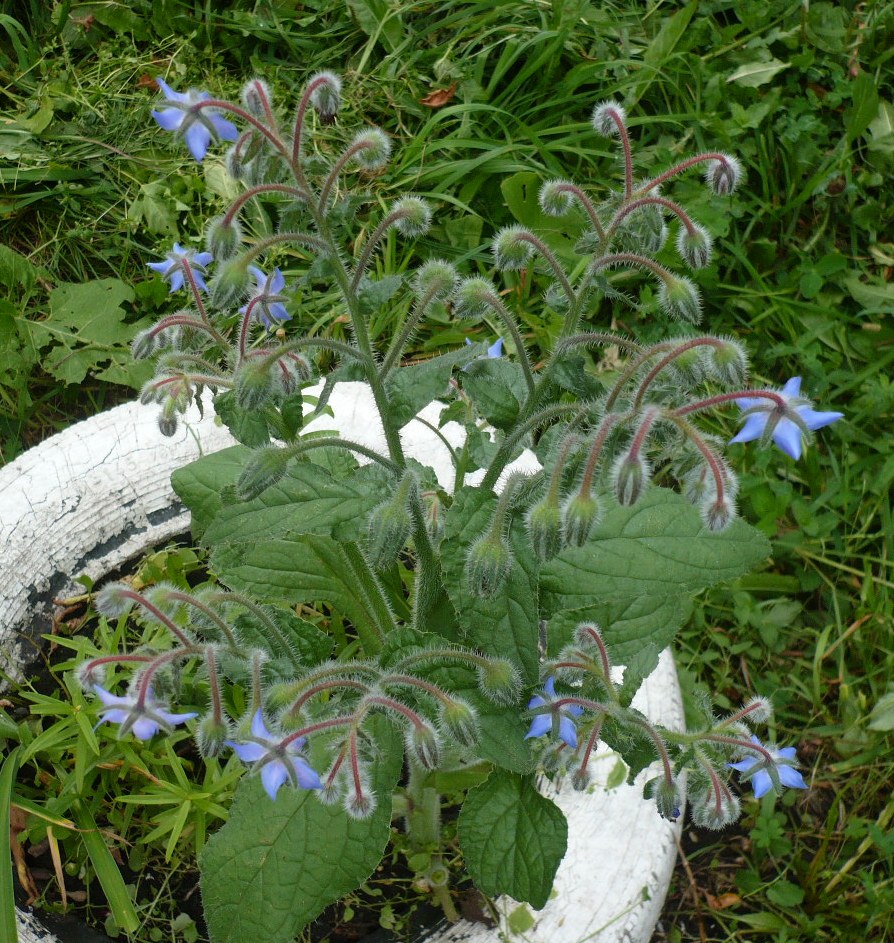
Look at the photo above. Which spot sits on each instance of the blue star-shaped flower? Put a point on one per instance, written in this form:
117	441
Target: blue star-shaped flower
268	297
277	763
174	265
764	417
144	719
542	724
494	351
198	126
760	780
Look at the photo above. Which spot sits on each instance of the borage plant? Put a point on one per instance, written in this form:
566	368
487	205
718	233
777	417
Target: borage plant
473	617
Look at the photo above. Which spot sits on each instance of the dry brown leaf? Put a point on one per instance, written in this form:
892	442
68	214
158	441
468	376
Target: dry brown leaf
723	901
439	97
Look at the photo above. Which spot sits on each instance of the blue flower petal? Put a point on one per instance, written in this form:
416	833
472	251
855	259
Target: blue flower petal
790	777
225	130
170	94
307	775
792	388
197	138
257	727
815	420
762	783
568	732
170	119
541	725
247	752
273	775
788	437
753	428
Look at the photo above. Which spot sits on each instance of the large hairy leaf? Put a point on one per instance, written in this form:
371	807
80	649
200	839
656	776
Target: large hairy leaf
199	484
507	624
276	865
512	838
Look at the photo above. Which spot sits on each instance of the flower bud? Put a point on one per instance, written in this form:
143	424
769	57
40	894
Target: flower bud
471	297
387	532
229	284
488	565
236	163
511	249
554	199
167	420
723	175
580	779
694	247
371	149
434	520
499	681
607	116
111	600
644	230
667	797
680	299
264	468
210	736
728	364
545	529
224	237
423	744
718	513
580	515
555	297
631	475
326	97
758	710
415	218
436	277
144	344
360	804
255	384
710	810
256	97
460	723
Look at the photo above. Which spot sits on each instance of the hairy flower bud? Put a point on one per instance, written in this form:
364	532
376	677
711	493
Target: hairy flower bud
679	298
723	175
437	278
718	513
714	810
224	237
511	248
423	744
667	797
487	566
326	96
145	344
415	216
256	97
554	198
229	284
580	514
211	736
607	116
235	163
471	297
460	723
728	363
371	149
499	681
580	779
545	529
111	600
757	710
255	384
387	532
167	420
264	468
695	246
631	475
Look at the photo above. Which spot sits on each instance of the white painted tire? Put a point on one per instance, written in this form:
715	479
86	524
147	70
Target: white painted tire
99	494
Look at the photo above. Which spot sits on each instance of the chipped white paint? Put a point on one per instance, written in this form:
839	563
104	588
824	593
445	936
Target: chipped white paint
97	495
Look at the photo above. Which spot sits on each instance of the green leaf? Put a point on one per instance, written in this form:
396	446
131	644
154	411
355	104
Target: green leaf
199	484
379	21
497	388
309	499
512	838
106	869
247	425
754	74
657	548
882	716
263	874
306	568
7	897
15	269
864	96
662	46
881	129
85	329
876	296
411	388
506	625
372	294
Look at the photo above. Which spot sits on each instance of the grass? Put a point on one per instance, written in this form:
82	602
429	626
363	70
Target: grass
803	94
